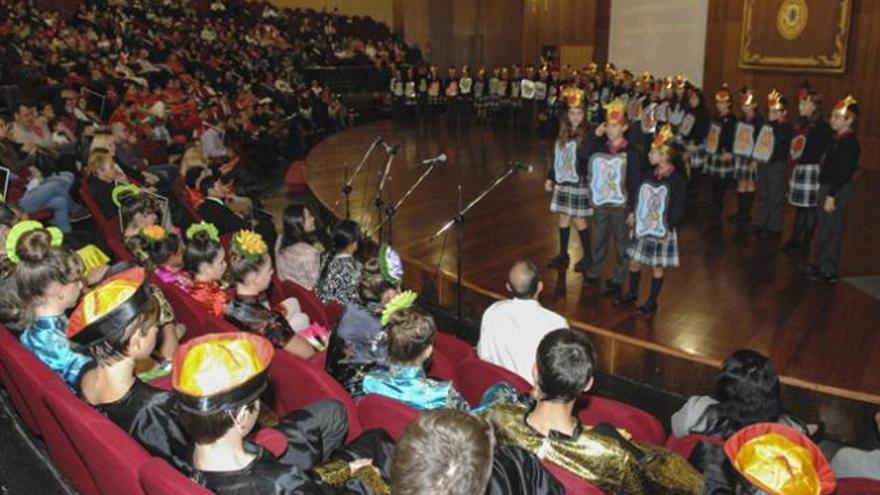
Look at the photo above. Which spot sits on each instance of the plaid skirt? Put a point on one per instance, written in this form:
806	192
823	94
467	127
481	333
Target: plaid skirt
717	168
492	101
803	187
744	169
572	200
697	160
659	253
480	103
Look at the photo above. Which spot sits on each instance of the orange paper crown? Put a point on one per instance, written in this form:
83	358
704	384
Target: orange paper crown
662	139
780	460
775	101
615	111
723	94
574	97
847	106
746	96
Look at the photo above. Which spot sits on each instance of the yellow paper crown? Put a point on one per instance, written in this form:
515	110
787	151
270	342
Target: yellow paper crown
775	463
215	366
661	139
846	106
574	97
775	100
746	96
723	94
680	80
615	111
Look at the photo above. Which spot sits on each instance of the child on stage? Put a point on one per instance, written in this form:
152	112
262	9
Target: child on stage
771	175
744	166
659	207
719	146
567	180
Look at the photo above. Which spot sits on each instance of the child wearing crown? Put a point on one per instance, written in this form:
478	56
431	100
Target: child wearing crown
744	166
567	180
771	175
719	146
659	207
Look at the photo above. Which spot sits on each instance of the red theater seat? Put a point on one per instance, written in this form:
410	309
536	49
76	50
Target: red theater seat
857	486
308	301
441	368
112	457
186	309
473	377
157	477
455	349
377	411
643	426
296	383
573	484
295	179
684	446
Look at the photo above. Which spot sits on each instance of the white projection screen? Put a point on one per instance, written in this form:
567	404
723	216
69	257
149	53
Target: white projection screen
665	37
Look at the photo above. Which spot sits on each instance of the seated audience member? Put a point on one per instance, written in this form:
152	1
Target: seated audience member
850	462
103	175
117	324
136	211
218	379
450	452
359	343
217	209
191	193
340	270
49	279
250	268
512	329
564	369
746	392
296	257
205	260
771	459
410	345
164	256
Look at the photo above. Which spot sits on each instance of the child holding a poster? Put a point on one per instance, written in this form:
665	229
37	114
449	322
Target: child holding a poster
719	148
744	165
771	151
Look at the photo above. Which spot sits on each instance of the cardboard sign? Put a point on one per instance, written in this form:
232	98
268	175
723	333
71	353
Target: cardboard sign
527	89
434	88
466	84
634	109
649	119
540	90
452	89
651	211
608	179
676	116
764	144
798	143
565	163
687	125
744	139
713	138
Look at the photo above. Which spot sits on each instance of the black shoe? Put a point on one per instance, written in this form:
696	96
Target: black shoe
560	261
611	289
583	265
625	299
648	308
590	281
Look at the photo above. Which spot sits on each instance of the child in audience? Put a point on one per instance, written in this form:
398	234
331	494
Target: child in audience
49	280
136	211
296	257
359	343
205	260
120	335
250	268
564	368
164	256
218	379
340	271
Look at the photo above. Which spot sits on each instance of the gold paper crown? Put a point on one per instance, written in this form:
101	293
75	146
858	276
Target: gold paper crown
846	106
746	96
662	139
723	94
574	97
218	364
615	111
775	101
680	80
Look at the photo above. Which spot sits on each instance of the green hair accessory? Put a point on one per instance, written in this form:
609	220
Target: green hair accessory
390	265
402	301
124	190
23	227
203	226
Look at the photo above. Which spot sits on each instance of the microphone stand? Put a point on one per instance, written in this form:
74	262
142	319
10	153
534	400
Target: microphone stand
347	181
379	199
389	212
458	222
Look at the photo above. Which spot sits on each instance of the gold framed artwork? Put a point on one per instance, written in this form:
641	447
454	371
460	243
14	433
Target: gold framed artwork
796	35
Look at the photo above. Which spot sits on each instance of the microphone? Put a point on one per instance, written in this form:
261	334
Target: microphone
525	167
441	158
389	148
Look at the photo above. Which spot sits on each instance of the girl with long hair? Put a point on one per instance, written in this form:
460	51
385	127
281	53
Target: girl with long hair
297	258
340	270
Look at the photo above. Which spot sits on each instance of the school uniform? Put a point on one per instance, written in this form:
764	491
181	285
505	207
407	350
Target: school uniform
647	246
744	169
803	189
835	180
771	181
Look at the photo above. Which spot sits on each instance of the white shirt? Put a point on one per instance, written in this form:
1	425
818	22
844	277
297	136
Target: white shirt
511	331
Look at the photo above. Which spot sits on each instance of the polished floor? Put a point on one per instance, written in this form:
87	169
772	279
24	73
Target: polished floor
732	290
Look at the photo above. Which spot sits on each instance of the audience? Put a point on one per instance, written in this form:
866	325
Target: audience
340	270
450	452
297	259
205	261
511	329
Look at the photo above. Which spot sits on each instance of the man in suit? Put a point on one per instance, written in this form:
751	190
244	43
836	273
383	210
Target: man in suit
215	209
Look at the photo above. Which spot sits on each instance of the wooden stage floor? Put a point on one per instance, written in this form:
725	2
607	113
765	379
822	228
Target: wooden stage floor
732	291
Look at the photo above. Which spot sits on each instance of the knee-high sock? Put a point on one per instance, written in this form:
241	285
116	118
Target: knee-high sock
656	286
564	234
810	217
797	233
585	244
748	199
634	279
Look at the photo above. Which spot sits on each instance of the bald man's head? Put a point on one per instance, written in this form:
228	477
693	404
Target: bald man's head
524	280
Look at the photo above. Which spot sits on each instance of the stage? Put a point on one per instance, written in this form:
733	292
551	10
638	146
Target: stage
732	290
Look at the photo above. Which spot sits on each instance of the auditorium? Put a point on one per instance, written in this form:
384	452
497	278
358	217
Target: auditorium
439	247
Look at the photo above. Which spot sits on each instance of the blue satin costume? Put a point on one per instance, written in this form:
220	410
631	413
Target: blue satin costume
45	338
